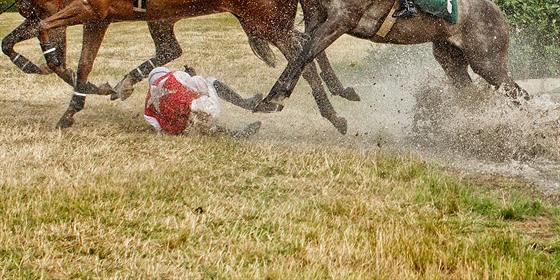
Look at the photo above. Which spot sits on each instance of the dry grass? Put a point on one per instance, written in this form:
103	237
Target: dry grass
110	199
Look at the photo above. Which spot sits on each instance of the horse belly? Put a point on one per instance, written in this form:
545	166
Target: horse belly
181	9
415	30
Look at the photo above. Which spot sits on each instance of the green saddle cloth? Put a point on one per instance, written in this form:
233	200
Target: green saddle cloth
446	9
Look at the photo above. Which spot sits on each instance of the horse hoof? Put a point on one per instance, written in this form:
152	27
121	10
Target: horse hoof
106	89
268	107
340	124
125	94
349	94
65	123
124	90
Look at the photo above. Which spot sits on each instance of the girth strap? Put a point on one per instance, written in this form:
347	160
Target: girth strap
139	8
389	21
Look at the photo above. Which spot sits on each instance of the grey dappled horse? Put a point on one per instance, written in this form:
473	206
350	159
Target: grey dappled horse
479	39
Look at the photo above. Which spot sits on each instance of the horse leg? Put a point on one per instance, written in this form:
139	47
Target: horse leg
94	32
58	37
453	62
289	48
485	45
29	29
25	31
325	34
313	16
167	50
332	81
325	107
493	68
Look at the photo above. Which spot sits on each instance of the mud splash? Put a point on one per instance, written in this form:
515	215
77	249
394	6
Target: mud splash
482	130
408	106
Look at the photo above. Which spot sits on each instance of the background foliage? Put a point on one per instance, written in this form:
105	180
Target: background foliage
5	3
535	30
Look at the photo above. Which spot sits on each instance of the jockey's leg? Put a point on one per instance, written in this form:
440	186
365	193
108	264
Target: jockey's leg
229	95
407	8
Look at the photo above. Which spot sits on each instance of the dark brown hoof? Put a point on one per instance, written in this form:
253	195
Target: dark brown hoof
65	122
124	89
349	94
340	124
106	89
267	107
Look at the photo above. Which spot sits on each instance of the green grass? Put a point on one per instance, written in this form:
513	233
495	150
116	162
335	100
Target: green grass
109	199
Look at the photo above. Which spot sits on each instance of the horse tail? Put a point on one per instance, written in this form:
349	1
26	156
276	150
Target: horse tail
262	50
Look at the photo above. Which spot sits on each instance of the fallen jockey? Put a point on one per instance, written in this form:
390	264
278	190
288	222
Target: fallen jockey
181	101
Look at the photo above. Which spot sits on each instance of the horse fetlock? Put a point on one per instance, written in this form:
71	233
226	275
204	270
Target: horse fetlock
514	91
328	112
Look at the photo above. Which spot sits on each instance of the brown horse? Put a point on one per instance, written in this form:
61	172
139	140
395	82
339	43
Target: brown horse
272	21
479	39
28	29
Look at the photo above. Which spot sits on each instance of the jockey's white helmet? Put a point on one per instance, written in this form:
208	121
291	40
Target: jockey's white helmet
157	73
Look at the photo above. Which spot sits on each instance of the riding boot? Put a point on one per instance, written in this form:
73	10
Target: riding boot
229	95
406	9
